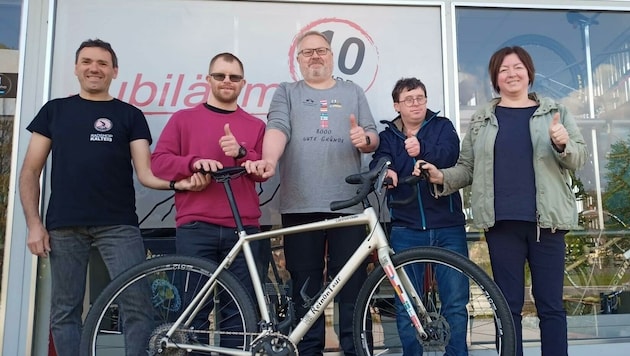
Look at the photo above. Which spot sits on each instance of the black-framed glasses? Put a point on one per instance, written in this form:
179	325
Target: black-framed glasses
409	100
221	77
308	52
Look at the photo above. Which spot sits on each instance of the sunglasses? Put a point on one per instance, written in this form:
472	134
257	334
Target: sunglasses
221	77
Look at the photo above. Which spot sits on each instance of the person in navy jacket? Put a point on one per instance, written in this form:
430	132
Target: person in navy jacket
418	134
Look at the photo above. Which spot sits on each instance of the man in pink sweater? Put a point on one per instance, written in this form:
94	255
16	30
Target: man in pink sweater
208	137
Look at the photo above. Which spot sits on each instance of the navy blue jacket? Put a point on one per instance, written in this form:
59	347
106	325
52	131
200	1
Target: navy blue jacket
439	145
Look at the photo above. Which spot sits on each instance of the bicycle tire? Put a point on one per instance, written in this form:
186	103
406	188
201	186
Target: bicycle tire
169	282
491	324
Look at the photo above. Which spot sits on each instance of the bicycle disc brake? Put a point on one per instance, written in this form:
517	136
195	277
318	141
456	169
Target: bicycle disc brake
274	344
438	331
155	341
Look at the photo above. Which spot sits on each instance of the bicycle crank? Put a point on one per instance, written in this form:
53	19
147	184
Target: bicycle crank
274	344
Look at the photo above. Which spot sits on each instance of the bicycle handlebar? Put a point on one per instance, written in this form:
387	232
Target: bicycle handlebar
370	180
413	182
225	174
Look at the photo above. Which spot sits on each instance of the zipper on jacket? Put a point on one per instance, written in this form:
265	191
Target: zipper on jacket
420	205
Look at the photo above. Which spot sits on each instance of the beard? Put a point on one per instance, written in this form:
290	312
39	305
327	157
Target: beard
317	71
225	96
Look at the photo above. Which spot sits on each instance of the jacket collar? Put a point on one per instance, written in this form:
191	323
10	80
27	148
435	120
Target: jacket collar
545	105
396	124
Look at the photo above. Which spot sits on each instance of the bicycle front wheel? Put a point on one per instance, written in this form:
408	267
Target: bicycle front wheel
136	310
482	321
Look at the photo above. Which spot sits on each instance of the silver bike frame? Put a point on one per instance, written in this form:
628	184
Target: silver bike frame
375	240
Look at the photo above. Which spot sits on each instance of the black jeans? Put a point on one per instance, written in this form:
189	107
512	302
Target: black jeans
306	254
510	244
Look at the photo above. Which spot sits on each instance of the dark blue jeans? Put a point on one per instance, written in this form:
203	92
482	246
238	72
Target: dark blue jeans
453	287
214	242
121	247
510	244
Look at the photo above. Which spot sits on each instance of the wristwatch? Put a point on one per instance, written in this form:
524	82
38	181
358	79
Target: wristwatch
367	140
171	186
242	152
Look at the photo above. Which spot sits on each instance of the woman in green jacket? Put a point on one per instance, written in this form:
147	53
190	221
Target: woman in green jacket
518	154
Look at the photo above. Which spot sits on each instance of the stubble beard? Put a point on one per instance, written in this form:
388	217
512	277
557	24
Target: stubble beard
315	74
226	96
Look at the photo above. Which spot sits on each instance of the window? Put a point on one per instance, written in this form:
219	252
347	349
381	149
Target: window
598	255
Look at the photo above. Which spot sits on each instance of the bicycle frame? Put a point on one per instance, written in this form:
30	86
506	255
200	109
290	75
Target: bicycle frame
375	240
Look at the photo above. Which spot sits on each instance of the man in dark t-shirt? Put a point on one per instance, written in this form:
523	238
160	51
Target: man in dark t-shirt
94	138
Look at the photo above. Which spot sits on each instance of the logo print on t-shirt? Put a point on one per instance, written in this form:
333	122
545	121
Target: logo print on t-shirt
103	125
323	114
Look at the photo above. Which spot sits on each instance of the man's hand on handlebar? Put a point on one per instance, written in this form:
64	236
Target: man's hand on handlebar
195	183
391	179
428	171
262	168
207	165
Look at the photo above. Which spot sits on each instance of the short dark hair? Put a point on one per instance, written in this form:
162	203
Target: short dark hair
497	59
100	44
407	84
228	57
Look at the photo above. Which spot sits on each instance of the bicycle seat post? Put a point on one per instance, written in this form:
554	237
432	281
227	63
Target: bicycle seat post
233	206
224	176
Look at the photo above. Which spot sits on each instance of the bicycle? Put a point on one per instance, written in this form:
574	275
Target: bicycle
185	288
597	261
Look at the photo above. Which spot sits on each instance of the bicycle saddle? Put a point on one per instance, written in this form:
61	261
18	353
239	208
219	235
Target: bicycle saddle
225	174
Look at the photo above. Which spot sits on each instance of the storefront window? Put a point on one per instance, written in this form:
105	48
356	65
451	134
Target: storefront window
9	36
582	59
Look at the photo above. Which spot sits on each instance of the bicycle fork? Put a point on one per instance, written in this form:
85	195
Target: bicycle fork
405	291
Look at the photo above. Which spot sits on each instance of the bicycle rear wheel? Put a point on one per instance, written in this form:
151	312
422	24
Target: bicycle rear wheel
490	325
135	311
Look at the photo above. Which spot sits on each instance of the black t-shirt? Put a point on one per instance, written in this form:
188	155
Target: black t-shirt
514	180
92	175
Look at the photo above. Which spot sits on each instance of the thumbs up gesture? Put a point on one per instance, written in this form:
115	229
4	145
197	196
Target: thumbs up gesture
412	145
558	133
357	134
228	142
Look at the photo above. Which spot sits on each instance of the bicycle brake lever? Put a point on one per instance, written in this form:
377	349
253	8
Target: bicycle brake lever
380	181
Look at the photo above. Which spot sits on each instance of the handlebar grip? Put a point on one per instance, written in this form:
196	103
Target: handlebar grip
412	181
367	180
341	204
354	179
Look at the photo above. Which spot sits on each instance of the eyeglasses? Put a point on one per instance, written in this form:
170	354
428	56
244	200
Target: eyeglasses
221	77
409	100
309	51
